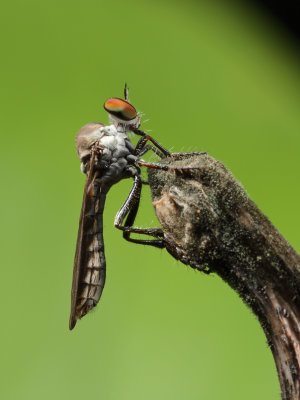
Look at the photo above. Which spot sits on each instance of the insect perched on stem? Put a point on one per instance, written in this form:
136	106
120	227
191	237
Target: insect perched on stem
108	156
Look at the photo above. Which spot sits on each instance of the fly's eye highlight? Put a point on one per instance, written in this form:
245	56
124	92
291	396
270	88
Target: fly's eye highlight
120	109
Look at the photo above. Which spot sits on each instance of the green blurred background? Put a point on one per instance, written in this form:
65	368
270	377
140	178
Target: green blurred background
209	75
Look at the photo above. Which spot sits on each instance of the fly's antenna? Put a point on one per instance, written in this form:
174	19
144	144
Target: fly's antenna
126	92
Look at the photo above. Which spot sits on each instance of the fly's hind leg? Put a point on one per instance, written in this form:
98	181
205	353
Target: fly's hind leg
129	210
161	240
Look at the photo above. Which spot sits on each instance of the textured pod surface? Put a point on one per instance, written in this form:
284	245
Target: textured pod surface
211	218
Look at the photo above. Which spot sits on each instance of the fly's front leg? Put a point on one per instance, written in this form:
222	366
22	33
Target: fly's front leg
144	139
139	150
149	147
130	209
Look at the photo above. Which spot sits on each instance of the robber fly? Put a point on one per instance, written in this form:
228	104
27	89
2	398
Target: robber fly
107	156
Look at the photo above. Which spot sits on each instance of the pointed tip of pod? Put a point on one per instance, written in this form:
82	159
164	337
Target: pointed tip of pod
120	109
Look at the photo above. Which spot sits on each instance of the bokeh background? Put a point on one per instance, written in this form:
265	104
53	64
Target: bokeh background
213	75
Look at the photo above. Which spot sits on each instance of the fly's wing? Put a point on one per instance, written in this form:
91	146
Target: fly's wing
89	265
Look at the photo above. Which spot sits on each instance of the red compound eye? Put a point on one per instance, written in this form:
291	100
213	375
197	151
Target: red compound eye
120	109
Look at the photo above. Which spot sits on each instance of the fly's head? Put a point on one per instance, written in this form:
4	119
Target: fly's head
122	113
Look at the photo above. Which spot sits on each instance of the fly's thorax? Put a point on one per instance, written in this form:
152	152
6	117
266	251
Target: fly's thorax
115	145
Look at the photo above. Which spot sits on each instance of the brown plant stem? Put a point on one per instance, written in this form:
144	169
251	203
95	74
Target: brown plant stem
208	214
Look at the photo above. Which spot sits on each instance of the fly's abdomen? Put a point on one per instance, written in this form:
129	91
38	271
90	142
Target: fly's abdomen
92	260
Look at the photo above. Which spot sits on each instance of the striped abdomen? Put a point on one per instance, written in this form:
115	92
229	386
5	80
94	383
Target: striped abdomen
89	266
